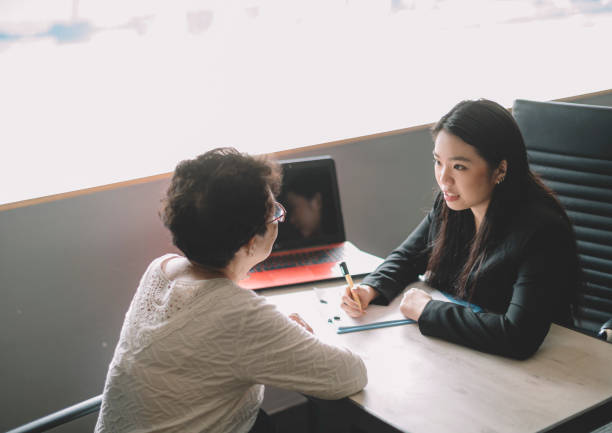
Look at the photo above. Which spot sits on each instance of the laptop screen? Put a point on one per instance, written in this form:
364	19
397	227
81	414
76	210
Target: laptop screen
310	195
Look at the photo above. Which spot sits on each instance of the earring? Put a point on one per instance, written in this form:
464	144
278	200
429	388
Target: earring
500	180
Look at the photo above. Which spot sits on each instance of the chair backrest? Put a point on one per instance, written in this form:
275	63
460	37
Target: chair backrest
570	147
61	417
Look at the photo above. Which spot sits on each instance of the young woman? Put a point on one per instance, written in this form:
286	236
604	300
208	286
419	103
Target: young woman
496	237
195	348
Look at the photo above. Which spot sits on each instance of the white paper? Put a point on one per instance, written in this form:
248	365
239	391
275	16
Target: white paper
330	299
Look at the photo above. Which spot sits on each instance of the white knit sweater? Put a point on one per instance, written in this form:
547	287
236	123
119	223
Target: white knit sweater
193	357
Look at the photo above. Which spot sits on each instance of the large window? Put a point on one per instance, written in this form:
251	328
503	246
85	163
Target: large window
98	91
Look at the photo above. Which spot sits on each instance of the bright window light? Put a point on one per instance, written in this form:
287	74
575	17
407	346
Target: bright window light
95	92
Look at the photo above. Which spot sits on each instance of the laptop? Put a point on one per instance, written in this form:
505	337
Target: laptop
311	241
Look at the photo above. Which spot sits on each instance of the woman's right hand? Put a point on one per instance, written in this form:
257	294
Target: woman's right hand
365	294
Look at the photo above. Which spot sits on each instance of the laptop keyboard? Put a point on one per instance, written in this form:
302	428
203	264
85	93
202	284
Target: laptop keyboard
334	254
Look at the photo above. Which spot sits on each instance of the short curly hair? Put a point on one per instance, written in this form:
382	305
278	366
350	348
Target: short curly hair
217	202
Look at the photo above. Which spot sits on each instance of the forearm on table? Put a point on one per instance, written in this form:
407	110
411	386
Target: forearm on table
500	334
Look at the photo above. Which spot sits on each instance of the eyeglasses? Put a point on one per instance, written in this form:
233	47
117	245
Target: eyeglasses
279	213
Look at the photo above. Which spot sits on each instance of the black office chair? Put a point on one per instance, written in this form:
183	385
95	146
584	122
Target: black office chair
570	147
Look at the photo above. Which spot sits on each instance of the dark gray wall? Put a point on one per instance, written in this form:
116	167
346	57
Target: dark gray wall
70	267
386	187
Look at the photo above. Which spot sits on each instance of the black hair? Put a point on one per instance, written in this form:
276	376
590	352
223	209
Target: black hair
495	135
217	202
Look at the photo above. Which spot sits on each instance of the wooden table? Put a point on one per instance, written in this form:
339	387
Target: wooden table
423	384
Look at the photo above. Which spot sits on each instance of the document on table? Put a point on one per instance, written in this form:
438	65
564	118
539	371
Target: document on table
376	316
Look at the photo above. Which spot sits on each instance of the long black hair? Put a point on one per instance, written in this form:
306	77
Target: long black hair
495	135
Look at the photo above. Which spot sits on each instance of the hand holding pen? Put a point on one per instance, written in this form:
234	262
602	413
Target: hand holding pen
355	299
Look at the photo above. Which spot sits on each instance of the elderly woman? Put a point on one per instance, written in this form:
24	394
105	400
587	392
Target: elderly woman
196	349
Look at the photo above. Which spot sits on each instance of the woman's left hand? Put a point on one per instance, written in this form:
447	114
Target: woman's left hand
414	302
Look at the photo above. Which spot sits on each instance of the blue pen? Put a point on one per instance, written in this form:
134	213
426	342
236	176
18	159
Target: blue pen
347	329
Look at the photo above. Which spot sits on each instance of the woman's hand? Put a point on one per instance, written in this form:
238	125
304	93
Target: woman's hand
414	302
365	294
298	319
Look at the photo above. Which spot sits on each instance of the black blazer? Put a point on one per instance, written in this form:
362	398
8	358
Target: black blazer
526	282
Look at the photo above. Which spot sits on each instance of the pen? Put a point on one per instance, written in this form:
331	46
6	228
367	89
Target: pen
349	280
347	329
